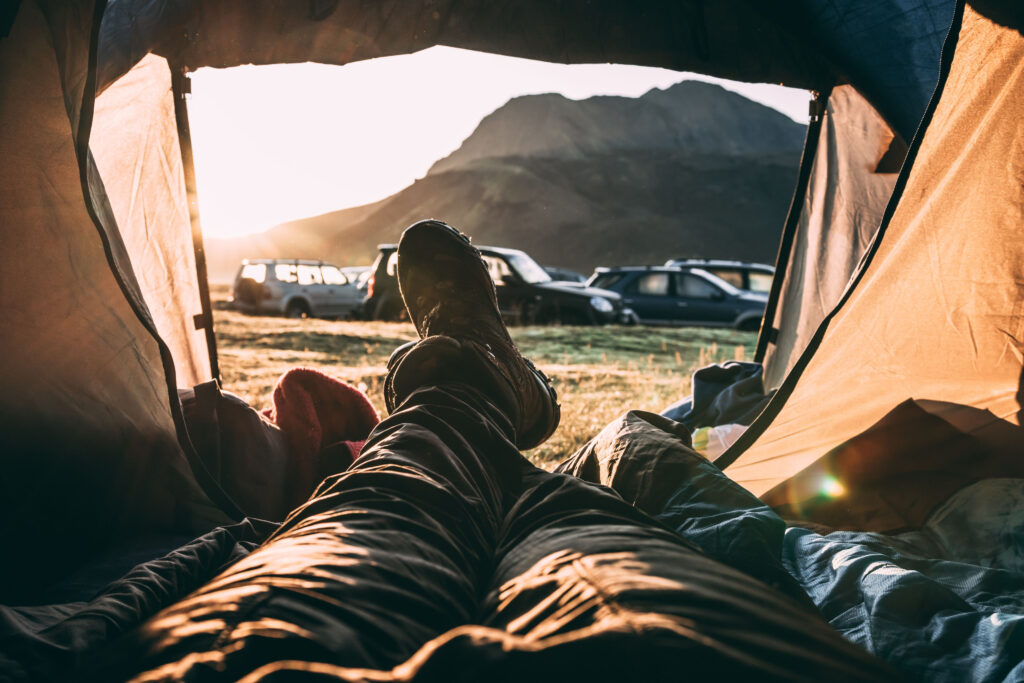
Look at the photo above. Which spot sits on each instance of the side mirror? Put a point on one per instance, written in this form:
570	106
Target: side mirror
509	279
718	295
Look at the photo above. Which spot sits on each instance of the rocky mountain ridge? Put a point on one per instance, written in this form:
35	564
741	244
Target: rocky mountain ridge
692	170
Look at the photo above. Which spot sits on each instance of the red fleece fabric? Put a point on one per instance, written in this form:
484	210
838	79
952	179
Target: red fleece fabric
315	411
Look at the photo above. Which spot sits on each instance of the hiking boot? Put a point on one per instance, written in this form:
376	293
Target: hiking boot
451	300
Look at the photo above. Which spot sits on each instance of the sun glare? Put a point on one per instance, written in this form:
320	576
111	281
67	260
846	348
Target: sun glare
276	143
832	487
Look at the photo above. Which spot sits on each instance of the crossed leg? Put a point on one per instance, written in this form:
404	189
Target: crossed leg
381	559
442	554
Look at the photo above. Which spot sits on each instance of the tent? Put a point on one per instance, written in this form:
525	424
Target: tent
901	275
932	312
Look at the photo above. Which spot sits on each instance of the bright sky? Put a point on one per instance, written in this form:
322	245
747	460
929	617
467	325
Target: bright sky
276	143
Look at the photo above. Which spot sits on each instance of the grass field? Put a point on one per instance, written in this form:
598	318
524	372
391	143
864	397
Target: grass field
599	372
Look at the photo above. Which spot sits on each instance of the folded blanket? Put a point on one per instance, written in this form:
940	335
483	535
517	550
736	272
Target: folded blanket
270	462
317	412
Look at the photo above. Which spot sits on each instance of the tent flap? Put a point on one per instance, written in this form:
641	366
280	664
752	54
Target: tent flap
89	442
135	143
936	313
841	210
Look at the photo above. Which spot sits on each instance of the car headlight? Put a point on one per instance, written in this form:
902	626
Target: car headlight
601	305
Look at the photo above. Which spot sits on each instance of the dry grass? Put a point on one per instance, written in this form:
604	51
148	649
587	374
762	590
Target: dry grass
599	372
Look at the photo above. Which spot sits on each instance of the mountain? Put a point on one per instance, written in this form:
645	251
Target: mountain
691	117
692	170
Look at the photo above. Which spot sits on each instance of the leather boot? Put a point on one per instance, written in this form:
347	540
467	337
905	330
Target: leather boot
451	300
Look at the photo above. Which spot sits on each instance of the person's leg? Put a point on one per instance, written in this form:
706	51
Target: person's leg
399	548
592	584
588	588
648	460
381	559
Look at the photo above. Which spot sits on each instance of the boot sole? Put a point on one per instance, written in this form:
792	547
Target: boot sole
422	237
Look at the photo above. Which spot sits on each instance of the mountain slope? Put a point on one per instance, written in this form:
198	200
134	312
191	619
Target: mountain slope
690	117
693	170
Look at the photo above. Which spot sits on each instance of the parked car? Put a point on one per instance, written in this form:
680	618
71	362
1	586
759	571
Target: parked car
672	295
355	273
564	274
526	293
295	288
745	275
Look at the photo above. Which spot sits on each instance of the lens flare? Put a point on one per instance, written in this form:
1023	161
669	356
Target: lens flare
831	487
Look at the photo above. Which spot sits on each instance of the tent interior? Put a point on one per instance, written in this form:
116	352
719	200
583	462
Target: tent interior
892	347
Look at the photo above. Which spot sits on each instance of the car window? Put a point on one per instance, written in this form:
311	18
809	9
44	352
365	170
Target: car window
497	268
693	287
286	273
606	280
377	261
760	282
732	276
392	268
310	275
254	271
653	284
333	276
528	269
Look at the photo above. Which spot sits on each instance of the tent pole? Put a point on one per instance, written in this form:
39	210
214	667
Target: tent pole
181	86
769	333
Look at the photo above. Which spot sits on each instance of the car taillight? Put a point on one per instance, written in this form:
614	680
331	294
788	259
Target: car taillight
369	285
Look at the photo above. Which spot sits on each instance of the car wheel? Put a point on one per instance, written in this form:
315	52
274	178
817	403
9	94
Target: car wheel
546	316
749	325
248	291
573	318
297	309
391	310
528	314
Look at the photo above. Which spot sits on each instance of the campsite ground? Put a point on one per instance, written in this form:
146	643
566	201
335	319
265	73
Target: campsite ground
599	372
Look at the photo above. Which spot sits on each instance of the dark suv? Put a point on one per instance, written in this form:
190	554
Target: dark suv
663	295
526	293
745	275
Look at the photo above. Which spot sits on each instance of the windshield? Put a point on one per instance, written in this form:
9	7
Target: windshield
717	280
605	280
527	268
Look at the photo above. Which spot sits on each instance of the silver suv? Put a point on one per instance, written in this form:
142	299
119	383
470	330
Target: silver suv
295	288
